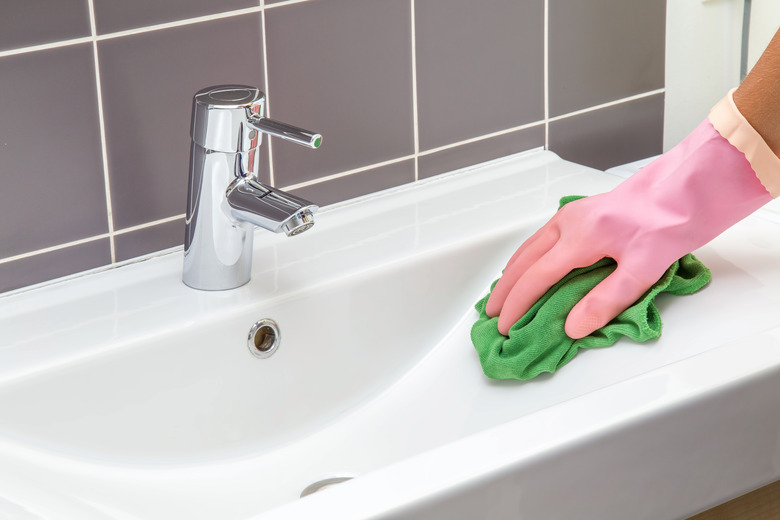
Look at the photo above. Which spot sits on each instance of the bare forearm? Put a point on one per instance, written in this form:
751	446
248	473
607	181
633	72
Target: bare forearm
758	97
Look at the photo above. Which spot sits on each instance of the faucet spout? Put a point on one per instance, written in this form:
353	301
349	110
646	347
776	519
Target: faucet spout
269	208
226	201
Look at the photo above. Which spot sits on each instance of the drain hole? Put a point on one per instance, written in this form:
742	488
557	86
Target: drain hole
322	484
264	338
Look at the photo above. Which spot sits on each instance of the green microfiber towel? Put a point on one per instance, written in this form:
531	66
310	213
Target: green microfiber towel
537	343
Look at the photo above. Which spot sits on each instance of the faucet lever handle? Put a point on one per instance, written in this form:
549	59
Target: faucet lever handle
285	131
221	116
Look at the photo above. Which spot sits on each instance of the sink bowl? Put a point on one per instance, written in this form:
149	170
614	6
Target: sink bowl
125	394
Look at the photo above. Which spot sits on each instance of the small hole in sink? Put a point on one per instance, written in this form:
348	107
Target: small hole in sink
264	338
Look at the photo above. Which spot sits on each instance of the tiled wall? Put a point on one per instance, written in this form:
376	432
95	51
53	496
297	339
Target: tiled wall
95	100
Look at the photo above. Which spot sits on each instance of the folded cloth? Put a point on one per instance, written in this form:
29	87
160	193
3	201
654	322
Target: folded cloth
537	343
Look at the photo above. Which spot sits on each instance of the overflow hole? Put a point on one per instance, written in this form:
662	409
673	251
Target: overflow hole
264	338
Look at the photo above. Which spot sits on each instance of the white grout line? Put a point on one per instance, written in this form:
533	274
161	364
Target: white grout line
53	248
546	73
347	173
94	38
343	174
418	154
481	138
138	30
149	224
408	157
320	180
45	46
89	272
268	140
288	2
179	23
102	126
415	122
91	239
609	104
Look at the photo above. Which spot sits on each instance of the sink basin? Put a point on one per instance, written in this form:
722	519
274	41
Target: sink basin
125	394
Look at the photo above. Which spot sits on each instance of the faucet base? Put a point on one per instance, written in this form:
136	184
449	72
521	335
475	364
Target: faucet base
217	260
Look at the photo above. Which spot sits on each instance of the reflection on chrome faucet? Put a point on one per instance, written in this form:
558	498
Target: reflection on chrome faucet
225	199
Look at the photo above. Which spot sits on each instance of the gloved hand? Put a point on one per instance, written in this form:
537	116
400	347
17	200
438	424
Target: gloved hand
678	203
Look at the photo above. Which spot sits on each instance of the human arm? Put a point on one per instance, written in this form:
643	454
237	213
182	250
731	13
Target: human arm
678	203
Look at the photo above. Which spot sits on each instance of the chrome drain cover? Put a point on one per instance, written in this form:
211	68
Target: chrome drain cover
264	338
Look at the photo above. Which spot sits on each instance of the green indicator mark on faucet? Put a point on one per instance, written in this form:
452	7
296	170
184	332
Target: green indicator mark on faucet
317	142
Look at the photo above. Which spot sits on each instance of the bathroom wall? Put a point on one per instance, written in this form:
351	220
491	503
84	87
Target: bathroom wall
764	23
703	58
703	43
95	100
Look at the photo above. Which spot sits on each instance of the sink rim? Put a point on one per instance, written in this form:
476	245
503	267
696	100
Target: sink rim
429	476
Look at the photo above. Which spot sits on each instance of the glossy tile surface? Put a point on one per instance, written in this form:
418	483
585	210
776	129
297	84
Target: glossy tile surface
480	67
349	78
603	50
357	184
611	136
52	189
112	16
148	129
480	151
381	80
149	240
54	264
24	23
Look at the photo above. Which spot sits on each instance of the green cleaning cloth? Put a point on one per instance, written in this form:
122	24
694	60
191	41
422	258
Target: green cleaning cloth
537	343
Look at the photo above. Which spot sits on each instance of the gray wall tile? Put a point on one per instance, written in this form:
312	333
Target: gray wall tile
341	68
603	50
480	151
53	190
480	67
148	82
355	185
149	240
611	136
54	264
24	23
112	16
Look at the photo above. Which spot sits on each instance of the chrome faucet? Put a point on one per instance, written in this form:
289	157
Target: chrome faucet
225	199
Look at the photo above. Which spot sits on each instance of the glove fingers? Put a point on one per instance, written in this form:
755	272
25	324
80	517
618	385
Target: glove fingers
540	243
613	295
525	245
535	281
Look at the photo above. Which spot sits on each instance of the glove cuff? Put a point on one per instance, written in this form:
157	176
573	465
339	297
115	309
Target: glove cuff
732	125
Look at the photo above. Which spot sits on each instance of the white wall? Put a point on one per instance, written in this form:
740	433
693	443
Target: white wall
764	23
703	40
702	60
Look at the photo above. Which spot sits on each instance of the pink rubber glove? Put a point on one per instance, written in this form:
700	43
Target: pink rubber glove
678	203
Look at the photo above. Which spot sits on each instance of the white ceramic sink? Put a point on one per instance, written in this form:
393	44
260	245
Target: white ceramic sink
125	394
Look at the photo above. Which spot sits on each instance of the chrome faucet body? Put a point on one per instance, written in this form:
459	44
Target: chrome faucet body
225	199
